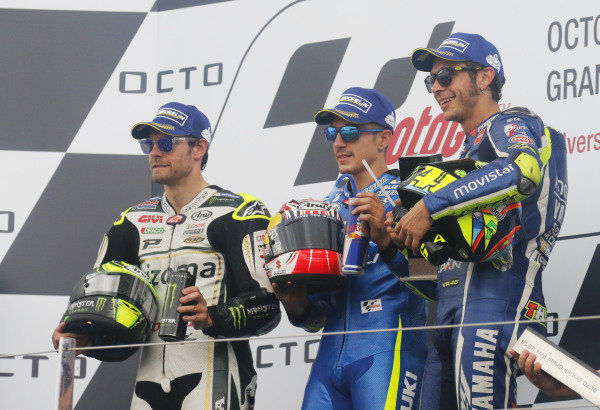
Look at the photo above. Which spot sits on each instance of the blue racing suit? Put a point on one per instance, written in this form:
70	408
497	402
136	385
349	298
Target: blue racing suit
368	370
527	163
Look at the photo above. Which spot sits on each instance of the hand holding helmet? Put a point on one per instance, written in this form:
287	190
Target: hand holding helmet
484	235
111	305
303	245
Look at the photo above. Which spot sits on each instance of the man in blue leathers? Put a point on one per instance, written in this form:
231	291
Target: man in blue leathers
527	163
369	370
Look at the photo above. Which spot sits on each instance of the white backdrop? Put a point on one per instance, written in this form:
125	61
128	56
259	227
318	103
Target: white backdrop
232	59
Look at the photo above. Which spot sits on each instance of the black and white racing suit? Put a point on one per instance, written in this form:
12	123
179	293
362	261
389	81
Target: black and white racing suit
219	238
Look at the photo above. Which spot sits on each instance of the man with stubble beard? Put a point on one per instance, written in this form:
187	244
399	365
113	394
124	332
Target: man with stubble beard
218	235
526	162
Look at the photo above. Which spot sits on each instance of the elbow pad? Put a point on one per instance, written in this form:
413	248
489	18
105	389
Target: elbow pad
530	174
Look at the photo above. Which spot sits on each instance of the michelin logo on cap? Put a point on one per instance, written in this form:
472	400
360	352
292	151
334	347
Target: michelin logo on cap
356	101
455	43
173	115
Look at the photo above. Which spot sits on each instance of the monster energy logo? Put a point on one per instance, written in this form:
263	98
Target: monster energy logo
238	313
171	288
101	302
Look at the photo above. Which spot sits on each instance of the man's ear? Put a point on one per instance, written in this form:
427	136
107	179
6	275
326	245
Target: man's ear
200	148
485	78
386	137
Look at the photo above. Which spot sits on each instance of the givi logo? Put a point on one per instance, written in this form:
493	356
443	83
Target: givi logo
150	219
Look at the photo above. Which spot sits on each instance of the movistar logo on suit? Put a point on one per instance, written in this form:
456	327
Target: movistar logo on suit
481	181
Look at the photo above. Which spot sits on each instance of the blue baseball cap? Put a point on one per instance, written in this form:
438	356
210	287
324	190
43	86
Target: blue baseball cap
176	119
461	47
361	106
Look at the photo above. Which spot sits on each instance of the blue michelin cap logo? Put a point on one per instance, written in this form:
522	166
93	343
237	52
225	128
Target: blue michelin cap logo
361	106
461	47
176	119
173	115
356	101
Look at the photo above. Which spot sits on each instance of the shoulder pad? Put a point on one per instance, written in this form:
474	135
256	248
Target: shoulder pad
251	208
393	172
520	111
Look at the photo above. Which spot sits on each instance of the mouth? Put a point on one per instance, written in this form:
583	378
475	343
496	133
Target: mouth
343	156
445	102
158	166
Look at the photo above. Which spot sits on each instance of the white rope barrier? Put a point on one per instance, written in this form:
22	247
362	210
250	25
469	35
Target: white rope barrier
308	335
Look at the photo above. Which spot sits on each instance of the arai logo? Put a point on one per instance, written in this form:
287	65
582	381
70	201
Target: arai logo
200	215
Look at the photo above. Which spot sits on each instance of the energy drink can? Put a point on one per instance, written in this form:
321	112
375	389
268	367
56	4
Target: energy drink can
356	245
172	325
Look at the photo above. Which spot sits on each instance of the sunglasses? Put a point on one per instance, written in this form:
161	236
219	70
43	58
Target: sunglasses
165	144
348	133
444	76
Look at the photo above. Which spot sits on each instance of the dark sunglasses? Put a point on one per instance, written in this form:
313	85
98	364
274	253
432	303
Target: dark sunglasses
165	144
348	133
444	76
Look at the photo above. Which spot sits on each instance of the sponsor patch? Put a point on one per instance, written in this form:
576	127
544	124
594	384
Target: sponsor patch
152	231
494	61
175	219
153	219
390	119
254	208
197	231
193	239
510	129
471	186
193	226
456	44
200	215
368	306
173	115
347	113
450	283
147	205
207	135
151	243
536	311
356	101
521	138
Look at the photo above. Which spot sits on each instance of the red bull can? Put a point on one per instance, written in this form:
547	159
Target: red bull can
356	245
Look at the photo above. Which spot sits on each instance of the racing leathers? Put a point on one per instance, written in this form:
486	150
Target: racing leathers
368	370
217	236
527	163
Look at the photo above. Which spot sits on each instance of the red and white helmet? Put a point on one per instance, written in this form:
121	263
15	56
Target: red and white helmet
304	244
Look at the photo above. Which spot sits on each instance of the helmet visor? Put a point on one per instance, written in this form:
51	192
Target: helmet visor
305	231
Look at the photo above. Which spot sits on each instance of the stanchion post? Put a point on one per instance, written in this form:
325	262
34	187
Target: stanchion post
65	379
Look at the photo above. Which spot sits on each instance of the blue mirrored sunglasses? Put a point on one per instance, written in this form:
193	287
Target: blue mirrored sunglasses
348	133
165	144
